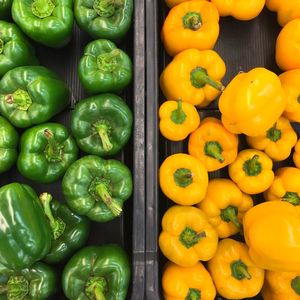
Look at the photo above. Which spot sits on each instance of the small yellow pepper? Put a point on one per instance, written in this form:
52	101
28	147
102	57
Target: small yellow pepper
187	236
183	179
178	120
192	283
191	24
194	76
252	102
233	272
240	9
225	206
172	3
296	155
213	145
277	142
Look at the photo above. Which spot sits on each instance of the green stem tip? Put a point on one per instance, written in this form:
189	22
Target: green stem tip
53	150
192	20
292	198
274	134
189	237
252	167
199	78
96	287
104	131
108	62
214	149
183	177
107	8
17	288
230	214
194	294
42	8
239	270
178	116
20	99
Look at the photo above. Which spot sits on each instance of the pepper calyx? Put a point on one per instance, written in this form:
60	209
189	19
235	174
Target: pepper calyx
194	294
239	270
108	62
183	177
295	284
178	116
199	78
252	167
192	20
292	198
20	99
274	134
96	288
42	8
103	129
189	237
229	214
214	149
53	151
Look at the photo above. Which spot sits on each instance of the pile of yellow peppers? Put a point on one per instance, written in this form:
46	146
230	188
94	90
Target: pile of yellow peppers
258	106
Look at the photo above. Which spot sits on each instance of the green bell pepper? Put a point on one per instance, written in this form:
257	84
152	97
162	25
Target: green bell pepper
46	152
32	95
36	282
25	235
97	188
15	50
104	68
5	9
102	125
48	22
108	19
101	273
69	231
8	145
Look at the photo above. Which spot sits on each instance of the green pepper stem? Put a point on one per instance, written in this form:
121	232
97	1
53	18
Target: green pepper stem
183	177
274	134
1	46
95	288
229	214
252	167
292	198
194	294
104	130
295	284
53	150
189	237
98	294
42	8
17	288
178	116
214	149
107	62
20	98
239	270
107	8
192	20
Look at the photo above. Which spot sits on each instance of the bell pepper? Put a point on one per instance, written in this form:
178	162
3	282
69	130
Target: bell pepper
187	236
104	68
25	235
69	231
97	272
225	206
97	188
32	95
277	142
183	179
296	155
5	9
194	76
177	120
234	274
172	3
248	107
107	19
8	145
252	171
193	283
46	151
271	231
213	145
191	24
48	22
15	50
35	282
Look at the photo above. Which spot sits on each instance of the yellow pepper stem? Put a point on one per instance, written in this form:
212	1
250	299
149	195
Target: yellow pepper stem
274	134
295	284
214	149
292	198
183	177
229	214
193	294
178	116
192	20
252	167
239	270
189	237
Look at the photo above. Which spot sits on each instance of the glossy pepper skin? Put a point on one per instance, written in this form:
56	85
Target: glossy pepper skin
46	152
225	205
183	179
104	19
187	236
32	95
187	283
296	155
213	144
35	282
172	3
191	24
177	120
15	50
8	145
104	68
97	188
244	97
234	274
97	272
26	238
5	9
48	22
194	76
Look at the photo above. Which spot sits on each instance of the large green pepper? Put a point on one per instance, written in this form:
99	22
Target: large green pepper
31	95
69	231
5	9
49	22
104	68
101	273
15	50
101	124
25	235
8	145
36	282
46	151
97	188
108	19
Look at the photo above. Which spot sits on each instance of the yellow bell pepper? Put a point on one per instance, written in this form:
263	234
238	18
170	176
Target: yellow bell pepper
213	145
192	283
233	272
178	120
194	76
252	171
191	24
240	9
272	233
277	142
296	155
172	3
287	52
225	206
187	236
252	102
183	179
